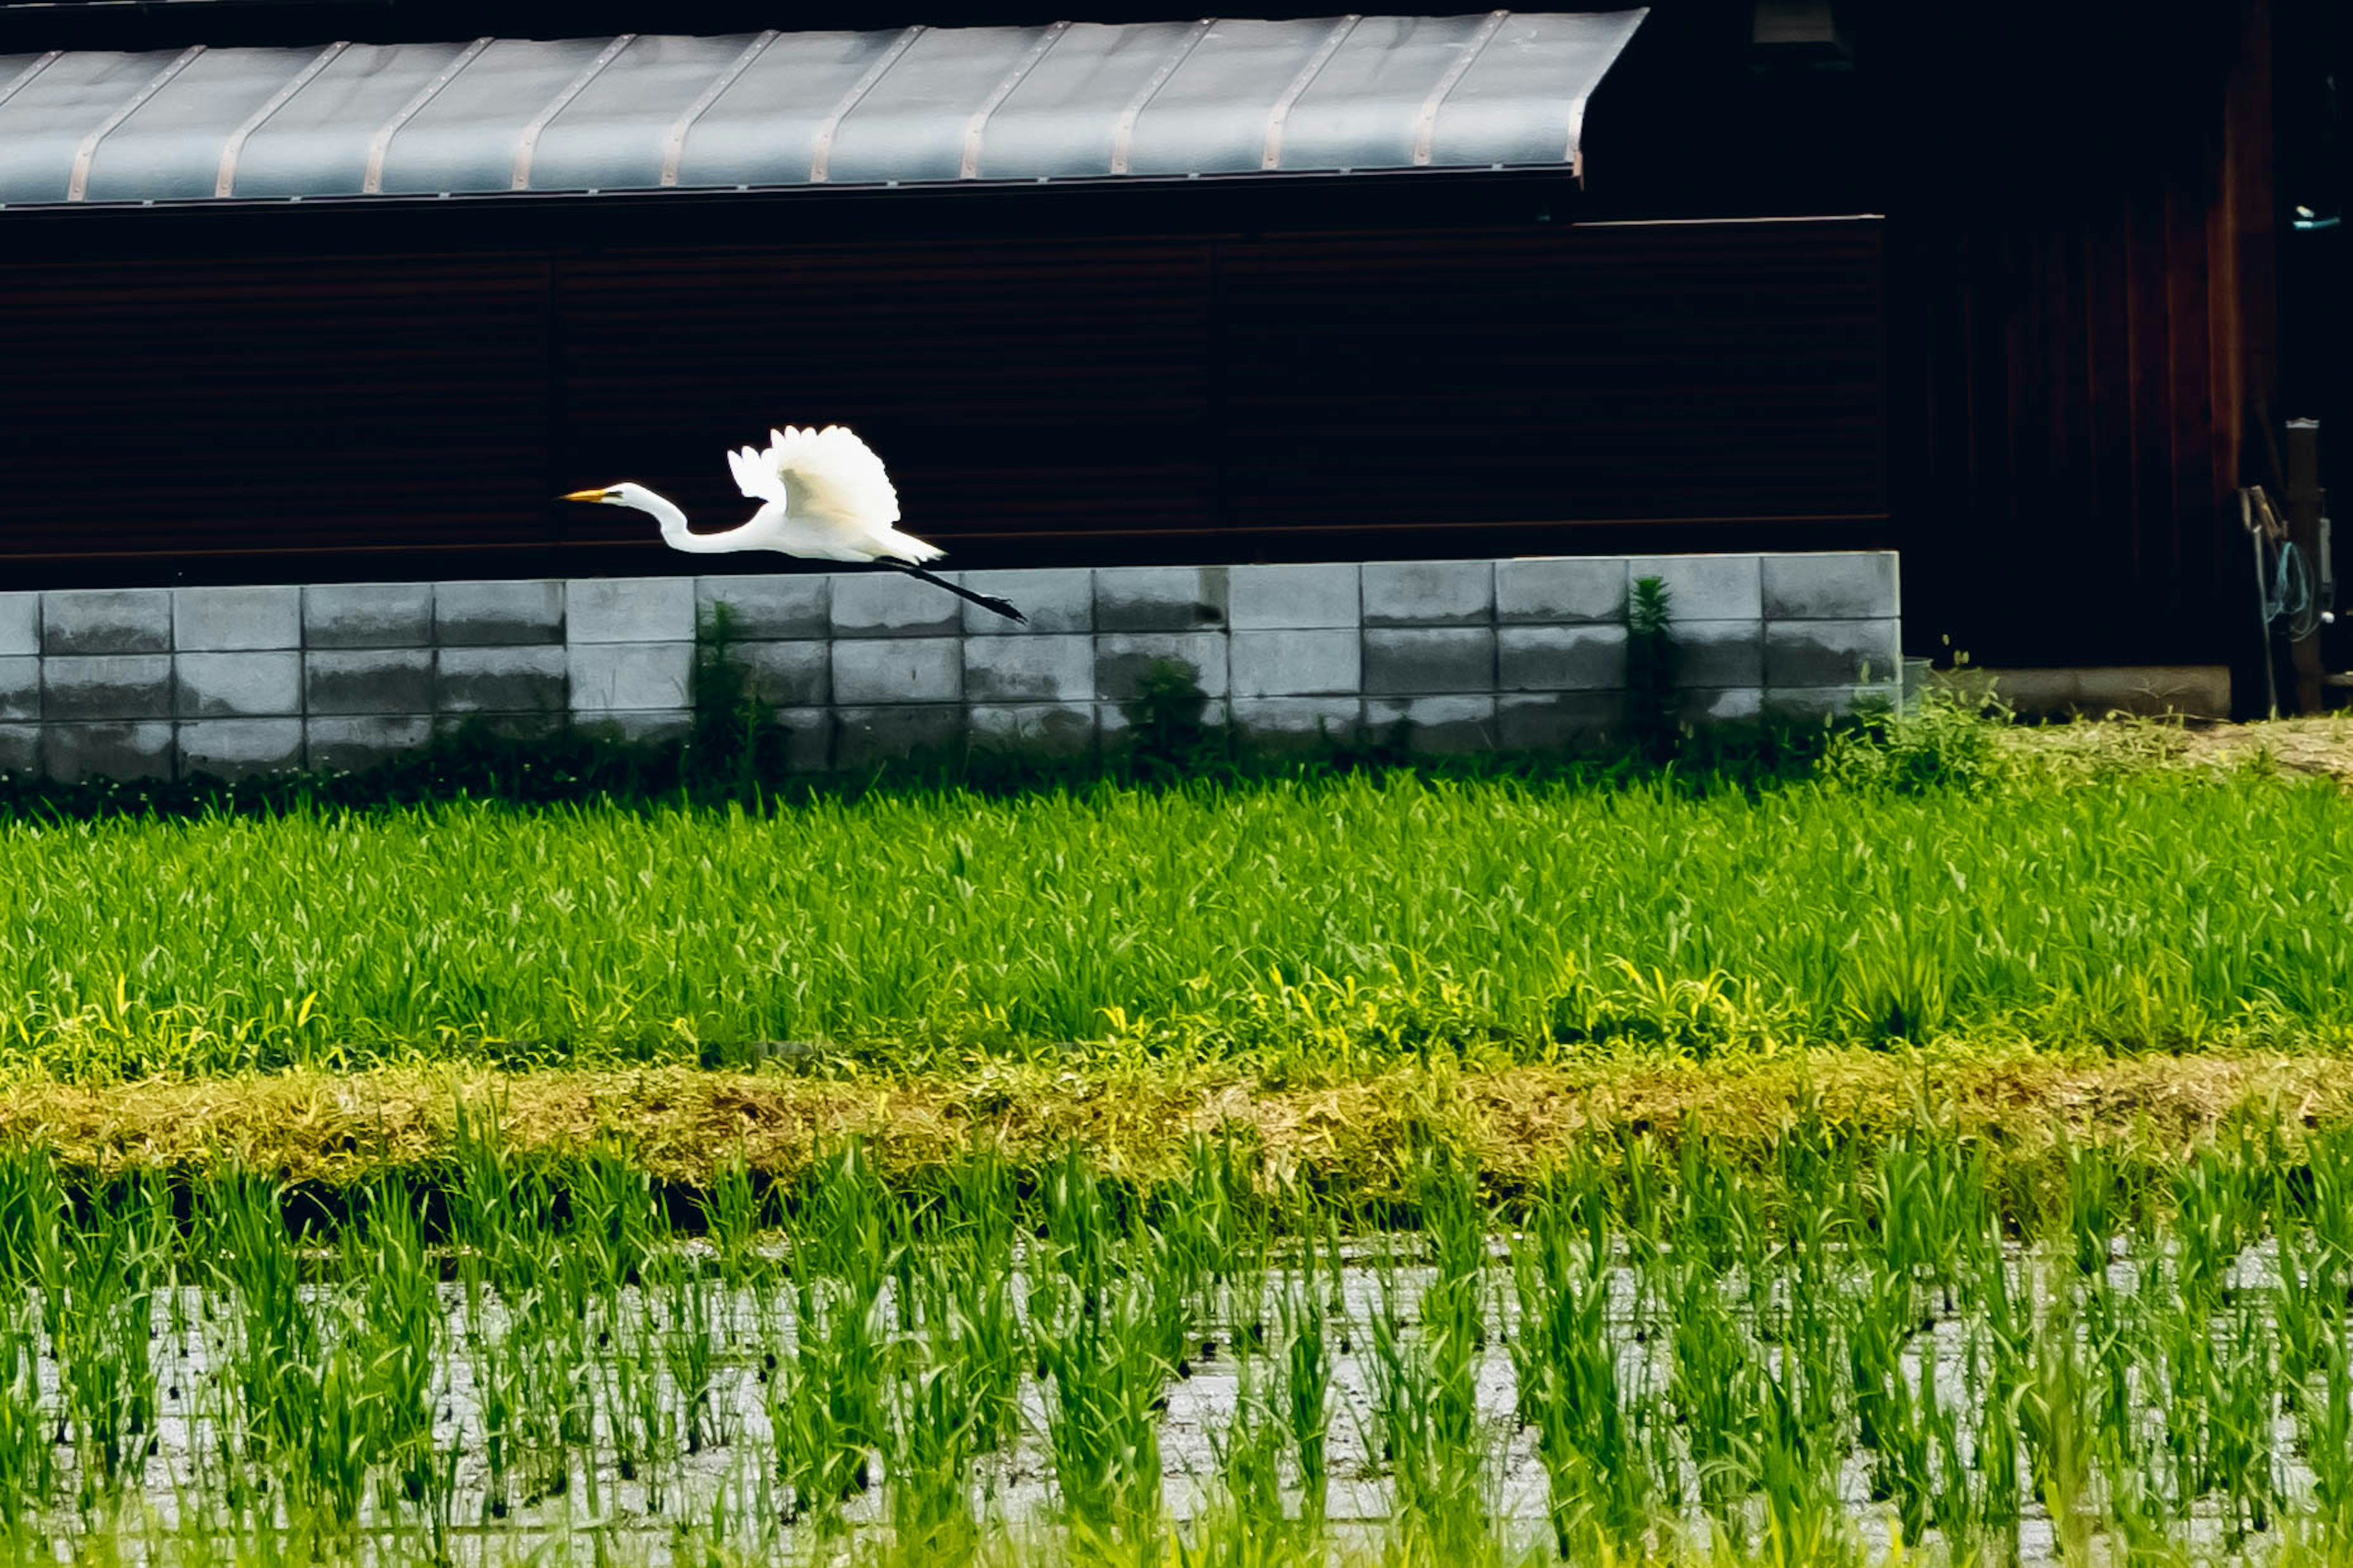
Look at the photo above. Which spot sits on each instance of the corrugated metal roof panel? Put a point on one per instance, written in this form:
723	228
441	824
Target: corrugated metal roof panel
1067	101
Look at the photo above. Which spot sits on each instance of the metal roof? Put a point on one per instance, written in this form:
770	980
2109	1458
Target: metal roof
1073	101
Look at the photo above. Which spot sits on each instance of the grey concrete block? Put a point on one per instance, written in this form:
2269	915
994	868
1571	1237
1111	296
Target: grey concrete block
1030	669
1401	662
637	726
106	620
1430	593
107	687
349	745
1056	601
1122	659
368	681
1111	725
610	676
1298	724
1159	598
20	623
1296	663
786	674
1830	653
1569	588
1704	588
368	614
1718	653
773	607
532	726
808	738
72	752
501	680
909	669
1287	598
1032	729
886	605
1560	658
1727	705
1826	701
498	614
1835	586
1559	720
1437	726
628	609
240	748
252	685
219	620
20	750
20	689
864	736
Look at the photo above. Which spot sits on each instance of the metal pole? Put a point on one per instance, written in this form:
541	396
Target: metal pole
2305	502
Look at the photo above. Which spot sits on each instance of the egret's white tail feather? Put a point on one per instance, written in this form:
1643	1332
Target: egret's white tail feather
907	547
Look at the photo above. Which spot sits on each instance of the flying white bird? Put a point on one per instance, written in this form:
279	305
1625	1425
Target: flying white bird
823	495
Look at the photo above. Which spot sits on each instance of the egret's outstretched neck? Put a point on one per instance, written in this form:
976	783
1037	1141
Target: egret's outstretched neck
673	525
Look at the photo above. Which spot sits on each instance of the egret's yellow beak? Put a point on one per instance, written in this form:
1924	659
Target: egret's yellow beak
588	495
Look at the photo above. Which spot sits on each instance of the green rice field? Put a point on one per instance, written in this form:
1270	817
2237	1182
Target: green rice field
1320	922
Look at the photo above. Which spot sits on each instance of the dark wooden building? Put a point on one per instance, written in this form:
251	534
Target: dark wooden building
2024	296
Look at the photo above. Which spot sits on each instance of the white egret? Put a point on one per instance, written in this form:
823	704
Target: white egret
823	495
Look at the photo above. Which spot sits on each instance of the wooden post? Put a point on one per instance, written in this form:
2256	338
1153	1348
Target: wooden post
2305	501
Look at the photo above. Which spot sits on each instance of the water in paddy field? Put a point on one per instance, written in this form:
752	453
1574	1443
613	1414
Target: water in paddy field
580	1419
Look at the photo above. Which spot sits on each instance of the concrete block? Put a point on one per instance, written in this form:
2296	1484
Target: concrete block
1727	705
786	674
107	687
237	685
1704	588
628	609
1435	726
20	689
350	746
72	752
1400	662
1122	659
501	680
1559	720
808	738
1835	586
637	726
610	676
1296	663
1032	729
1569	588
106	620
1030	669
1057	601
498	614
20	750
775	606
865	736
368	681
1111	725
1560	658
909	670
883	604
1430	593
1718	653
368	614
1286	598
20	623
221	620
532	726
1159	598
240	748
1826	701
1298	724
1830	653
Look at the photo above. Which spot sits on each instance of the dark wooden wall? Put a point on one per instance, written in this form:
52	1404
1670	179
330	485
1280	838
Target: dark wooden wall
1221	397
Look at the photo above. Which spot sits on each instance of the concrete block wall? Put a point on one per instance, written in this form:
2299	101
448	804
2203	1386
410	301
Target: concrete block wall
1455	656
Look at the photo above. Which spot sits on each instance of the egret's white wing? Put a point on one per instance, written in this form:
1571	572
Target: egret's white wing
831	476
754	475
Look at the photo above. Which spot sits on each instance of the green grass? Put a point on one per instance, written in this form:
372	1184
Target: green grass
1313	922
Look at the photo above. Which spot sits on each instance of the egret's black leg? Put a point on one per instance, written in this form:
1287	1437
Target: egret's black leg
985	601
